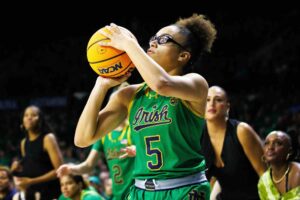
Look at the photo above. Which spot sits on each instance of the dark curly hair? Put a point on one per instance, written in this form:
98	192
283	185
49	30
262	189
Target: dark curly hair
200	34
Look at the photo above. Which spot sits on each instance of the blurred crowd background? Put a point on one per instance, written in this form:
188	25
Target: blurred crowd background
255	58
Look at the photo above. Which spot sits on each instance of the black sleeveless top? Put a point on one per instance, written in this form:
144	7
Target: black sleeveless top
237	178
36	163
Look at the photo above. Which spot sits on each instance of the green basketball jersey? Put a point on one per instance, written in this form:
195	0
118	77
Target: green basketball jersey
120	169
167	136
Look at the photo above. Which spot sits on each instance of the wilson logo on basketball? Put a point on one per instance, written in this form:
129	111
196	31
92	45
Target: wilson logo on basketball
110	69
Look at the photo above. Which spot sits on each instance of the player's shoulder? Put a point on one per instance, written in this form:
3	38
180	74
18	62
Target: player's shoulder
196	76
129	90
199	80
126	94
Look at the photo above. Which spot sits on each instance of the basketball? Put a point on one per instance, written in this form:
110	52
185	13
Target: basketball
107	61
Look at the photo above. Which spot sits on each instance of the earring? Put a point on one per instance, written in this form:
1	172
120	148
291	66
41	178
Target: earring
227	114
263	158
288	156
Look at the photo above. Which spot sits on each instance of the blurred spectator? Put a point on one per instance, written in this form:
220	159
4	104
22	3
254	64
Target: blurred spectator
231	148
73	187
94	181
282	179
7	189
35	173
108	189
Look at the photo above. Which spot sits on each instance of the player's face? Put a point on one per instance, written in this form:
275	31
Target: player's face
276	147
31	118
165	47
217	106
69	187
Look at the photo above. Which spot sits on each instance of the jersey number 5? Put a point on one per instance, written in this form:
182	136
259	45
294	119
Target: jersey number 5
153	151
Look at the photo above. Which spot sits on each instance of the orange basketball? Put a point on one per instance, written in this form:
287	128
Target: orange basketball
107	61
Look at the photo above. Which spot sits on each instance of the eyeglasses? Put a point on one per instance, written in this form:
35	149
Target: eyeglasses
163	39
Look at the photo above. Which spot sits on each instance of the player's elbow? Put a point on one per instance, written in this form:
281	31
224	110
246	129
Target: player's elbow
80	142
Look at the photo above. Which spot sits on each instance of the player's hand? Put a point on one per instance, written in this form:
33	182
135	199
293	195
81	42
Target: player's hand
129	151
119	37
111	82
64	169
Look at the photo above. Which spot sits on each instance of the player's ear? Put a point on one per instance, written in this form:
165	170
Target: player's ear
184	56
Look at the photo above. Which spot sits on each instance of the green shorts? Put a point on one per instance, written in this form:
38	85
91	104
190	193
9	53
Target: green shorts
200	191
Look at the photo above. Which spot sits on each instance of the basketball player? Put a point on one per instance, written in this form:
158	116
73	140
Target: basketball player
166	113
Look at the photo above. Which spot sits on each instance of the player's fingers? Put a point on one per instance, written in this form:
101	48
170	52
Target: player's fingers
106	31
125	155
104	43
115	28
